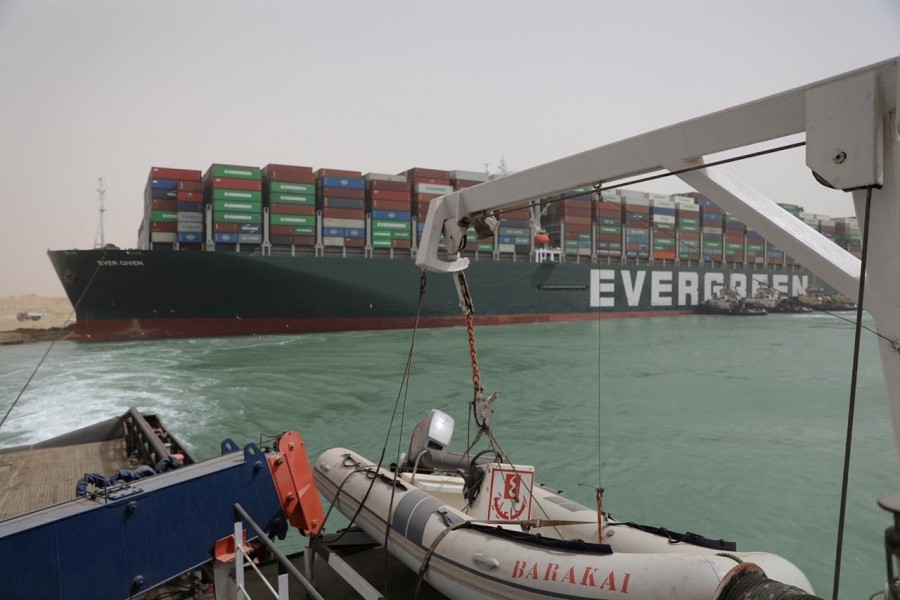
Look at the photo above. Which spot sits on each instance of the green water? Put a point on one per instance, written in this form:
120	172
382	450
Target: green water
732	428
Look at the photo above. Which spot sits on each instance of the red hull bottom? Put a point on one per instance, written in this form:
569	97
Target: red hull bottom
129	329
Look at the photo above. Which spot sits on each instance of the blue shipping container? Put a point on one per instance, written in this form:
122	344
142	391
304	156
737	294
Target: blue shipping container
164	184
352	232
225	238
249	238
163	194
190	207
190	238
342	182
391	215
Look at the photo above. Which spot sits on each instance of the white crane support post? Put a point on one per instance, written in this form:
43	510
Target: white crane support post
852	142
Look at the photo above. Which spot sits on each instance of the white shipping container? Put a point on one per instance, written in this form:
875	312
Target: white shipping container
190	217
712	230
506	248
333	241
682	199
631	194
662	202
470	175
163	237
328	222
635	201
664	219
658	197
190	227
384	177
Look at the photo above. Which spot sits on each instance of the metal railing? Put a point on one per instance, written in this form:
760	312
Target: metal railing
285	567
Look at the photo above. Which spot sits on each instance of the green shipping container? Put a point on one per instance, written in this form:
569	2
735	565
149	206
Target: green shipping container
611	229
395	225
299	199
755	247
237	195
712	245
292	188
382	234
662	243
236	206
225	171
304	231
485	247
163	216
399	235
381	243
298	220
733	246
230	217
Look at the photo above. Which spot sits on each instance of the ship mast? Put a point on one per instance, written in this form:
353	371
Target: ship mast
99	240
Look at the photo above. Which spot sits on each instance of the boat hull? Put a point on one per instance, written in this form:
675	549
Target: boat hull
468	563
127	294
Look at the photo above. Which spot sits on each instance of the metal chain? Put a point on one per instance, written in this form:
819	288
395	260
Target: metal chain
476	377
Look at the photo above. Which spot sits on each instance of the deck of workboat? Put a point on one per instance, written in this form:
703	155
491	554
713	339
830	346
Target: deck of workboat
32	478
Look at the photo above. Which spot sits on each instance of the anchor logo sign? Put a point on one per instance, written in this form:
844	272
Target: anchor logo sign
510	495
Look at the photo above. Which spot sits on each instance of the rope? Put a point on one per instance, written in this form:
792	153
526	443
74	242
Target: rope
52	343
400	394
852	404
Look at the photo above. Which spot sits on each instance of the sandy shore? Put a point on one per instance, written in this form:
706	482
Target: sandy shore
56	322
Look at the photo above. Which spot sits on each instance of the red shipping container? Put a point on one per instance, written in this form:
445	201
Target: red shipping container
226	227
688	235
664	254
391	205
609	237
425	197
338	192
422	172
464	183
250	185
292	209
304	240
354	242
343	213
516	213
427	181
389	195
288	173
163	227
189	197
281	229
737	238
580	221
338	173
190	186
393	186
163	205
181	174
401	244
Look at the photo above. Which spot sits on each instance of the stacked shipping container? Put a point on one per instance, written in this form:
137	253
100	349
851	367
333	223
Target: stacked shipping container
636	212
608	225
687	224
341	198
235	194
662	215
389	202
173	208
289	193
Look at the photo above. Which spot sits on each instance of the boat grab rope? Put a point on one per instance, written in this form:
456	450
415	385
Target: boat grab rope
852	402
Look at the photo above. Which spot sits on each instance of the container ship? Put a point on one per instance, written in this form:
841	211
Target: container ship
242	250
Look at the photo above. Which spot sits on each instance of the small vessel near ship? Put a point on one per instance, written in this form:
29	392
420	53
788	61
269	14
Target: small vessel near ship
476	524
729	302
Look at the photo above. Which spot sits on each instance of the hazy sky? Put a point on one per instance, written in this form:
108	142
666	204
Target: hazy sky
111	88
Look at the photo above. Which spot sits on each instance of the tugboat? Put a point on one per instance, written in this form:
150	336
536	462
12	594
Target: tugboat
817	297
771	301
729	302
